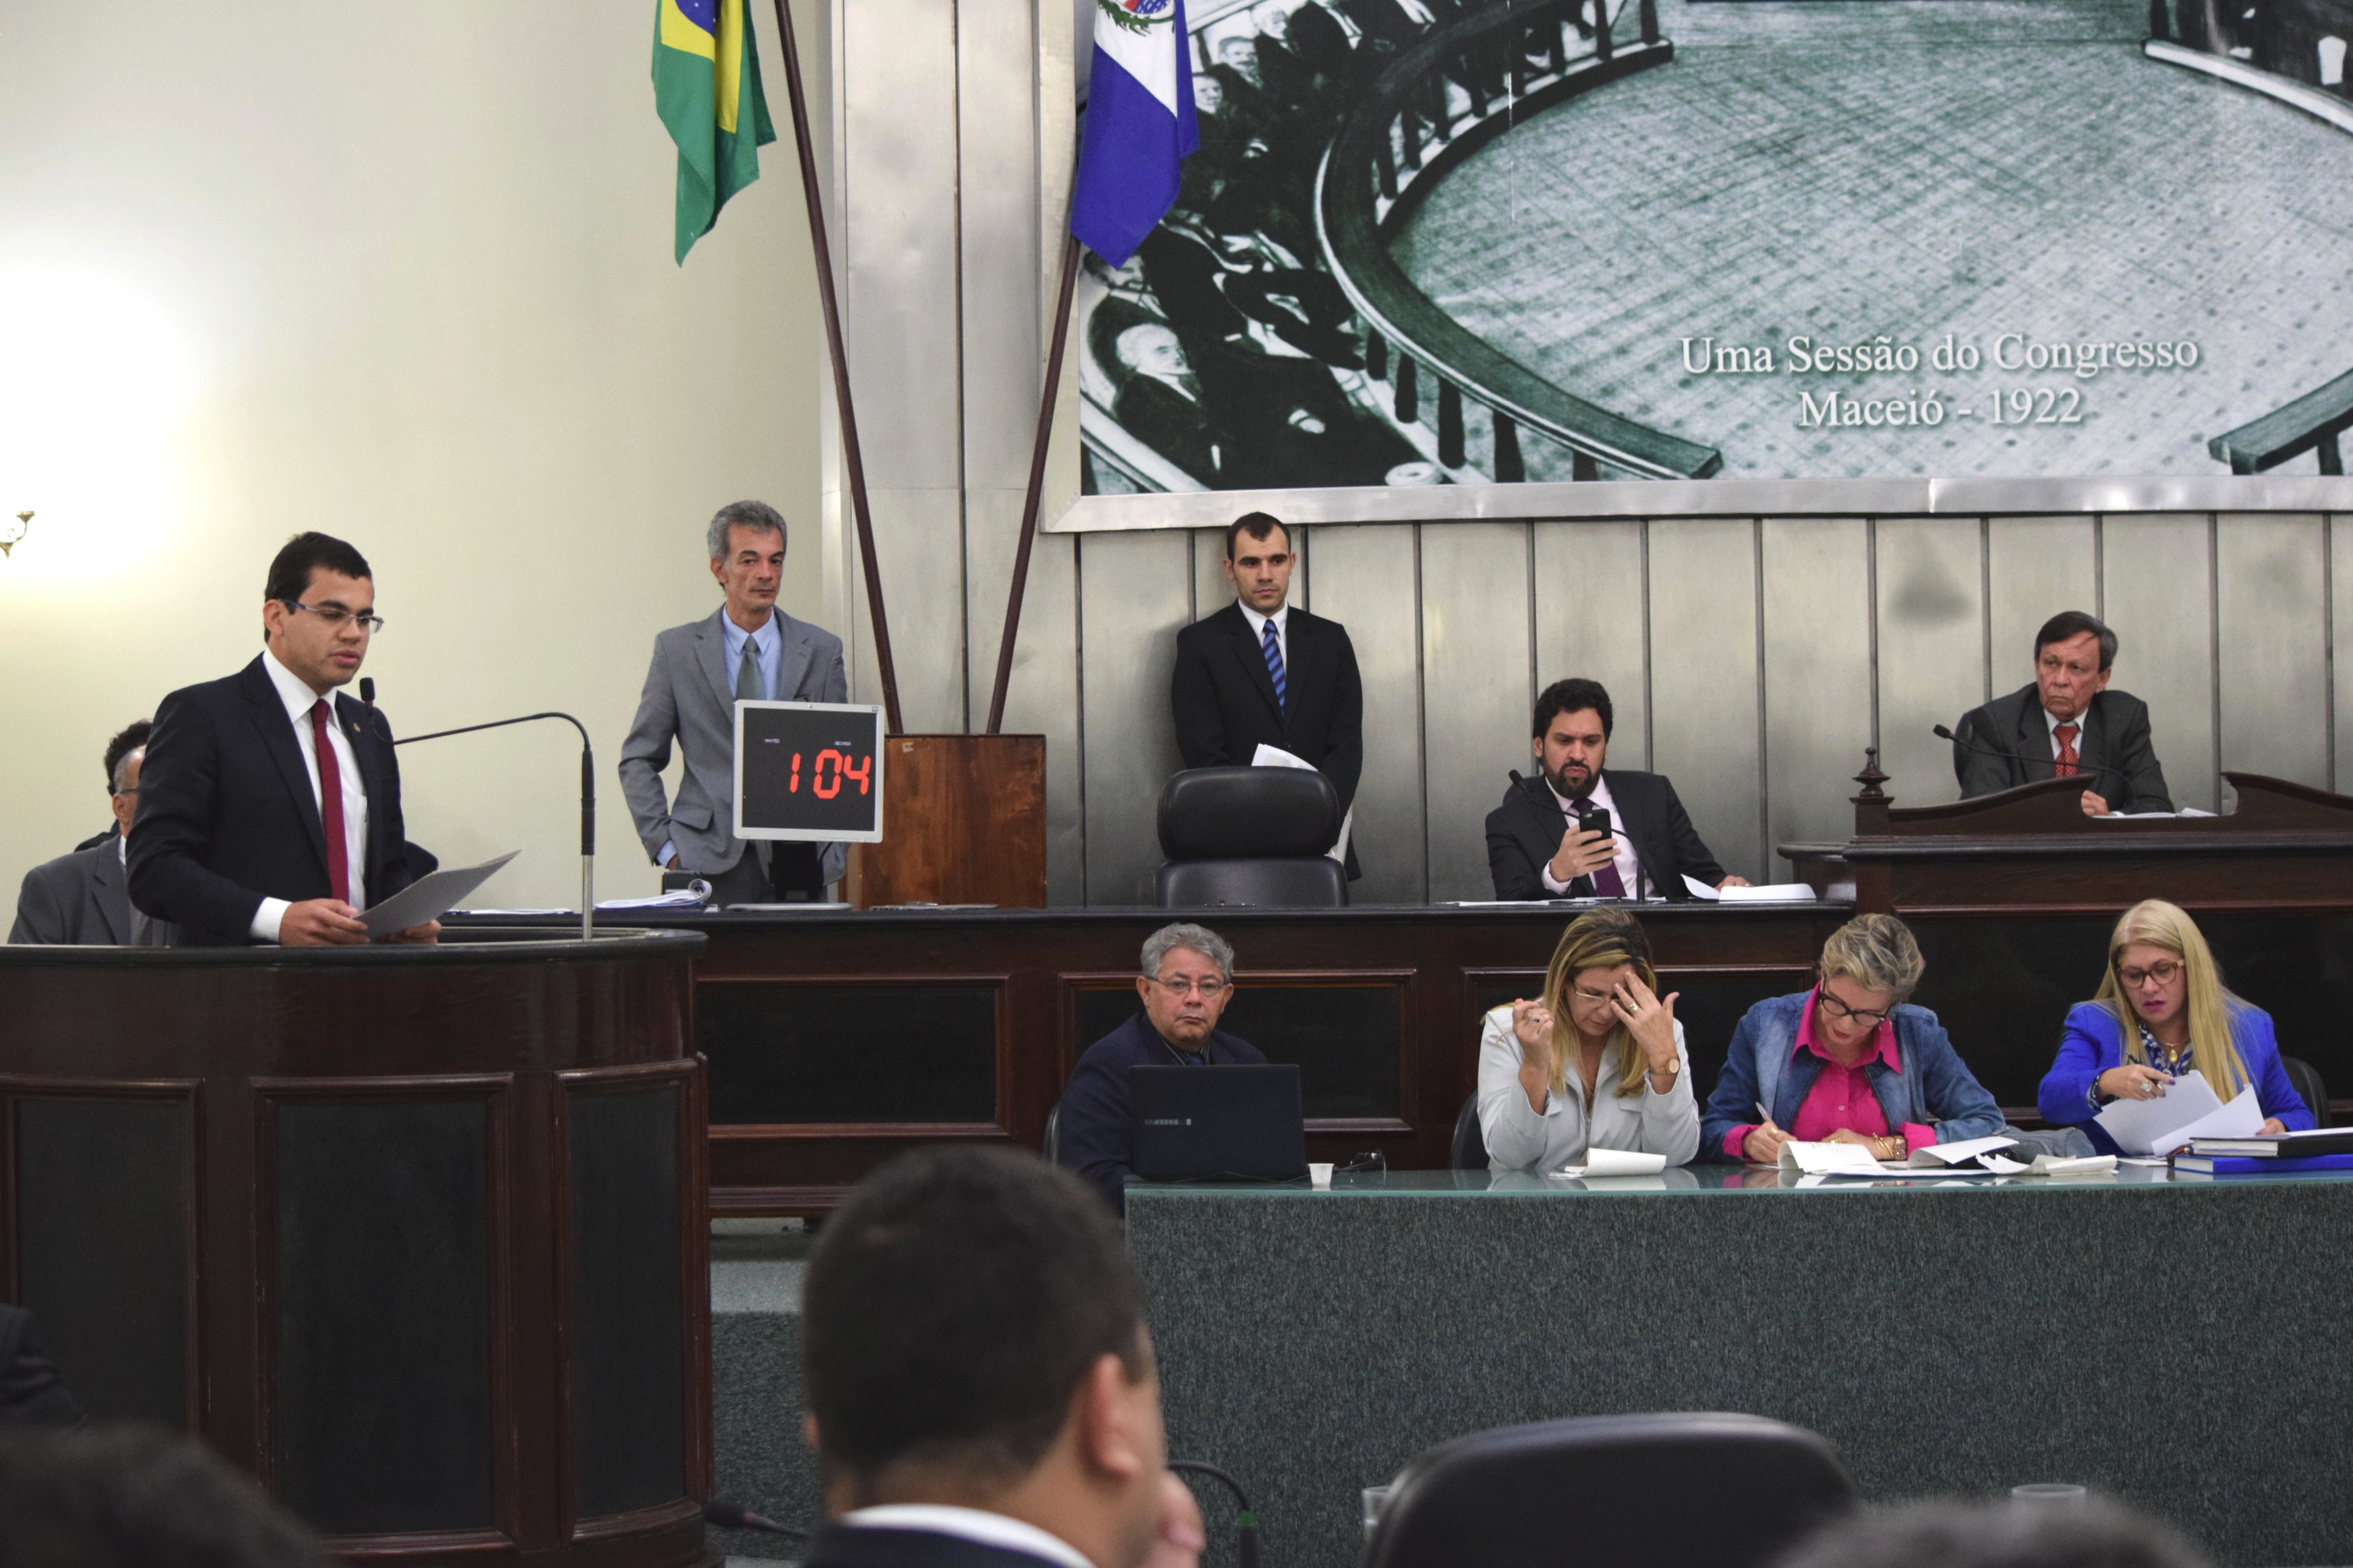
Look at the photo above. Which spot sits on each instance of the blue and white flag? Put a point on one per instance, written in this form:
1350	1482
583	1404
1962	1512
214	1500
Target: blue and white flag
1140	125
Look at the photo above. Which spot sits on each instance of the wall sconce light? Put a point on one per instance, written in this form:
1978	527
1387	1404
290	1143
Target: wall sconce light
11	532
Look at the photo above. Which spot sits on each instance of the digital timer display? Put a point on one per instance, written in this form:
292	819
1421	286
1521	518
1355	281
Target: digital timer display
808	770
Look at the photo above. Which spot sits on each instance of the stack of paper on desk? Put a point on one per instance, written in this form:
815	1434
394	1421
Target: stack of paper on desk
2188	1109
1970	1157
1616	1163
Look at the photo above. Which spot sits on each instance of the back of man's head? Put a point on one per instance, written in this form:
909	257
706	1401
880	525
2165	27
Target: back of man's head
127	740
952	1309
2103	1535
131	1497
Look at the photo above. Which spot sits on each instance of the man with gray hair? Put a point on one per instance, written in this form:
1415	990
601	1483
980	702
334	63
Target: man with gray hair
746	650
1185	979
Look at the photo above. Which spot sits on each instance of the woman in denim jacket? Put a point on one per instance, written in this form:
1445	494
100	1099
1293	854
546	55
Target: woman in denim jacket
1848	1062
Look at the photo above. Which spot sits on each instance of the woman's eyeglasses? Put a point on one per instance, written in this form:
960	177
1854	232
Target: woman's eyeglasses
2162	972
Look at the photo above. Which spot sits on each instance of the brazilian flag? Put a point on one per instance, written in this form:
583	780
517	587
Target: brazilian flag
706	81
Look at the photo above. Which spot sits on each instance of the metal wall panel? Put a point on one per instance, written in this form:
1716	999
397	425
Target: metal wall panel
1704	731
1042	698
2035	567
1932	648
1589	621
2158	585
919	545
1131	600
2272	620
1365	580
1816	603
1212	592
1475	656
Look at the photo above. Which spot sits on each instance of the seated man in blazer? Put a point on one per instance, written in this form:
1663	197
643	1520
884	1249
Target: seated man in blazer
2067	724
80	897
981	1386
1186	981
746	650
269	810
1536	851
1262	671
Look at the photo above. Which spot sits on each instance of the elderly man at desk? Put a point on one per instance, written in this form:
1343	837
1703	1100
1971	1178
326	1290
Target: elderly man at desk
1187	978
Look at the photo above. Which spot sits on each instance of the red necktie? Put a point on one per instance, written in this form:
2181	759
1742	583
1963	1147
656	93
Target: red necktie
2065	735
331	805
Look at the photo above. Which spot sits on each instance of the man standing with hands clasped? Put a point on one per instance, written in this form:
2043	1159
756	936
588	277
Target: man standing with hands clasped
269	810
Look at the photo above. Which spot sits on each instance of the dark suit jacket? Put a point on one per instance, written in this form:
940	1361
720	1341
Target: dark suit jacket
228	815
1524	832
31	1392
1097	1141
77	898
1170	424
2115	741
839	1546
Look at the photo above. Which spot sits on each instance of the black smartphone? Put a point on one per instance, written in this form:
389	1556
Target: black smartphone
1594	821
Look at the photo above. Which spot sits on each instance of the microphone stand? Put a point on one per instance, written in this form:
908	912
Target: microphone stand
587	802
1970	744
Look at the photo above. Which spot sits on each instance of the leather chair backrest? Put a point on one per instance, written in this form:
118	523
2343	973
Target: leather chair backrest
1235	814
1495	1499
1316	882
2309	1087
1469	1150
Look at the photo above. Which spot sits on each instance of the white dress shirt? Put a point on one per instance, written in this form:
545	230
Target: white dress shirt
1622	856
296	693
1258	625
969	1524
1522	1139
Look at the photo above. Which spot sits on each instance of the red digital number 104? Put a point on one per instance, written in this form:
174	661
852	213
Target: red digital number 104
844	768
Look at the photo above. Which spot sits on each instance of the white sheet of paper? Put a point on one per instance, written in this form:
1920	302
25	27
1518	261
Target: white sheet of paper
429	896
1771	893
1616	1163
1966	1148
2142	1126
1828	1159
1700	890
1268	756
2243	1117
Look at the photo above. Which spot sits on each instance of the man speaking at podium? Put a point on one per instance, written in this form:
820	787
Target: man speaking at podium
268	810
747	651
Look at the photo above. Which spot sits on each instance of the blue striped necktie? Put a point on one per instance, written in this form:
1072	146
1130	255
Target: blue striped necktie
1272	647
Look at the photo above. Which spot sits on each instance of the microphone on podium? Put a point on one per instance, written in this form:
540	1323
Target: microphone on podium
2082	768
587	791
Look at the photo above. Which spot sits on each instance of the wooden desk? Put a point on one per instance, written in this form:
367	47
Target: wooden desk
837	1038
2013	895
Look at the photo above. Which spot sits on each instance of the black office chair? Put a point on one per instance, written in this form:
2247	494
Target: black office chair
1495	1499
1050	1151
2309	1088
1249	836
1469	1149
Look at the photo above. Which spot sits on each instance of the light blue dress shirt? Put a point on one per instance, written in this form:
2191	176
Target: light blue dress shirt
769	640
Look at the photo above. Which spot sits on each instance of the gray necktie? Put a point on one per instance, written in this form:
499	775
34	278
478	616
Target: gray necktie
749	687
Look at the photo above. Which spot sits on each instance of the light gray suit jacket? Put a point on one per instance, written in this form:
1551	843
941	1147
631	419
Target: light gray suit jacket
78	898
691	696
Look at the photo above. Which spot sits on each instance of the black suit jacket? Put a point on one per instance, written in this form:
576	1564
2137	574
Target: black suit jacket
1224	702
1524	832
228	815
31	1392
839	1546
2114	749
77	898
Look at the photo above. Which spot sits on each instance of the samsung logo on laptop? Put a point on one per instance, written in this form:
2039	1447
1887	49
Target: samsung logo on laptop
1168	1122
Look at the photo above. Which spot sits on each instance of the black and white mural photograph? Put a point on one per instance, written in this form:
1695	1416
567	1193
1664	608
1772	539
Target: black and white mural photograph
1428	242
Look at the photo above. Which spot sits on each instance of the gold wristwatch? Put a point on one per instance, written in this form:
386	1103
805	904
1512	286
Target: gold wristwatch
1675	1065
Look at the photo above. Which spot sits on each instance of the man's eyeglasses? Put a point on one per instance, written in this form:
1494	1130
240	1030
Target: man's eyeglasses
335	616
2162	972
1837	1009
1210	989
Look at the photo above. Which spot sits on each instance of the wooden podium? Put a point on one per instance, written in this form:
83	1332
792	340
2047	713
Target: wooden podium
963	822
416	1235
2013	896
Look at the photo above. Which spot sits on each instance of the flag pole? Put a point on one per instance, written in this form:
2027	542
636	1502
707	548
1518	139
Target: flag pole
1046	401
851	461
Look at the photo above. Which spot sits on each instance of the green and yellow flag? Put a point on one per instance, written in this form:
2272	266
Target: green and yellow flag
706	85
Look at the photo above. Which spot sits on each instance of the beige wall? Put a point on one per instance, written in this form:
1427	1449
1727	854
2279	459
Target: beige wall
402	273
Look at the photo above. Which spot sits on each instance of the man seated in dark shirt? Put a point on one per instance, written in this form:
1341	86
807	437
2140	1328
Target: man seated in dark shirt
1187	980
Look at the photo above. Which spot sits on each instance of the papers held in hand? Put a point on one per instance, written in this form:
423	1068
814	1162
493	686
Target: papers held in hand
1970	1157
429	896
2188	1109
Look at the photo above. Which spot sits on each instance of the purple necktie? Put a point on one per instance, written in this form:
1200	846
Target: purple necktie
1606	880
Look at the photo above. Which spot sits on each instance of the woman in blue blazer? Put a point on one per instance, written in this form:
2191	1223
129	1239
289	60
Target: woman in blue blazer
2162	1011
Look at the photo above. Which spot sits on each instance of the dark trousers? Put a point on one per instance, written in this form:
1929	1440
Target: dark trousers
792	875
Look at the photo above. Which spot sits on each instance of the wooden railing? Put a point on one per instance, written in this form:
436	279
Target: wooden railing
2312	422
1509	61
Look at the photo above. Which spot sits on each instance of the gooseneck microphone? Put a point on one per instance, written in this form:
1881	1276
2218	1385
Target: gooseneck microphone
588	793
2082	768
1245	1519
735	1516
